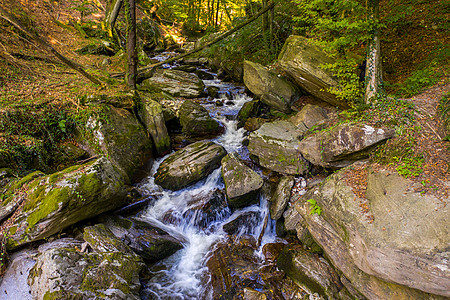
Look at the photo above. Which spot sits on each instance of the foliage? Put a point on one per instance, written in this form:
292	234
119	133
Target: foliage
341	28
314	207
444	113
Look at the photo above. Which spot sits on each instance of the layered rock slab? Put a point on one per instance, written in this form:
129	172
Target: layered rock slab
189	165
396	249
176	83
196	121
276	145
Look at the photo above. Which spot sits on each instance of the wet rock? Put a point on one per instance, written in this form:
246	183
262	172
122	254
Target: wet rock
64	273
207	208
276	146
393	244
309	116
271	251
176	83
249	109
342	145
152	116
242	221
293	221
117	134
242	184
251	294
189	165
281	197
204	75
101	239
309	271
302	61
186	68
145	237
213	91
59	200
196	120
274	90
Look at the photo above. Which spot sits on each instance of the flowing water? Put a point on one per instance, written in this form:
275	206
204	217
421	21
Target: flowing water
184	274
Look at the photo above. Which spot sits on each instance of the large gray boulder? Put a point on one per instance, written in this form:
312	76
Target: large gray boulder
196	121
189	165
65	273
302	61
152	116
309	116
242	184
176	83
342	145
52	203
276	146
274	90
391	245
117	134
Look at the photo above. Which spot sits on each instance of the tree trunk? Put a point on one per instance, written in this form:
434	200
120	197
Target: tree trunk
111	16
131	44
373	76
217	13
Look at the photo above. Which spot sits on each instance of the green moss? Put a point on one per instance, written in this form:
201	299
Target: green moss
12	230
89	185
51	203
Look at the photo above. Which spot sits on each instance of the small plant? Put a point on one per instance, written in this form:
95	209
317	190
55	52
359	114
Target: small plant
314	207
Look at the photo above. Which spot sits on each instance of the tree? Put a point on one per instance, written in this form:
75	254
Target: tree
130	8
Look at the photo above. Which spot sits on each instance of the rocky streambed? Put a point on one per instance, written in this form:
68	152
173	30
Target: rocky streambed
232	201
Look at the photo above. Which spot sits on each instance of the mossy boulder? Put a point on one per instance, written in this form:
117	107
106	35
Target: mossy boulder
65	273
276	146
342	145
189	165
274	90
125	100
303	61
242	184
196	121
249	109
391	244
117	134
152	116
176	83
309	116
51	203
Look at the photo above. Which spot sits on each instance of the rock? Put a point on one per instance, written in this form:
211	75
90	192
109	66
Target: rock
207	208
119	101
186	68
204	75
117	134
176	83
251	294
343	144
249	109
276	146
394	244
213	91
281	197
302	61
103	48
253	124
152	116
63	273
310	271
293	221
242	184
196	120
189	165
145	237
309	116
101	239
59	200
243	220
274	90
271	251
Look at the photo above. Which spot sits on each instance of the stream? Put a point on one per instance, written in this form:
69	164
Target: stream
184	274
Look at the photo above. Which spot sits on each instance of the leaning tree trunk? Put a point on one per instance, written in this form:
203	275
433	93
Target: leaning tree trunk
374	77
111	16
131	43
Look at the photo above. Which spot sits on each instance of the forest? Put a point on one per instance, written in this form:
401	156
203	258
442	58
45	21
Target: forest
224	149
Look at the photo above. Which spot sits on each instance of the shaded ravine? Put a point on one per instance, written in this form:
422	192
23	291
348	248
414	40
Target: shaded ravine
184	275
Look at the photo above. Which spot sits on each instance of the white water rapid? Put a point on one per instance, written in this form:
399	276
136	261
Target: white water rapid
184	274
